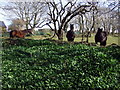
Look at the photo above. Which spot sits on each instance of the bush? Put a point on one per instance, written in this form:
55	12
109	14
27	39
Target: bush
33	64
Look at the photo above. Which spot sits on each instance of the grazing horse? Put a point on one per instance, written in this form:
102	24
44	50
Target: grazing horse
101	36
20	33
70	34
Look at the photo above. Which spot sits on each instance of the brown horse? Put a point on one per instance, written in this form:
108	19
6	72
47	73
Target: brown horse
20	33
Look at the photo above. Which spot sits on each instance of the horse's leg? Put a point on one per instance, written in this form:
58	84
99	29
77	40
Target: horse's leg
96	42
11	34
103	43
22	36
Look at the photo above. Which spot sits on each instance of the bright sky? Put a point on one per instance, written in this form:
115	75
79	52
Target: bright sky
51	0
2	14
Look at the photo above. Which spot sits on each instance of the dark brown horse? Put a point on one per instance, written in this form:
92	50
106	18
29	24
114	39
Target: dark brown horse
20	33
101	36
70	34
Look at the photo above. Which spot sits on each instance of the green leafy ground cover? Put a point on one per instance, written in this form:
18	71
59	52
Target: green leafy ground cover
44	64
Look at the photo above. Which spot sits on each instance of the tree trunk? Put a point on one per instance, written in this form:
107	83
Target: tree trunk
82	28
119	24
82	36
93	23
88	33
52	36
60	35
113	29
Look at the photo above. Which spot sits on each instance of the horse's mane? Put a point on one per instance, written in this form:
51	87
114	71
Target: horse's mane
105	33
27	30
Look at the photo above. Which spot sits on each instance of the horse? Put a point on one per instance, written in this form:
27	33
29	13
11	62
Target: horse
20	33
70	34
101	36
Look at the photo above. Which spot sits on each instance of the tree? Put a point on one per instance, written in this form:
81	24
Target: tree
118	22
30	12
109	16
87	21
60	14
17	24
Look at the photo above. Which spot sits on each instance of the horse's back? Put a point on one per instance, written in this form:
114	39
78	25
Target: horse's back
16	33
19	33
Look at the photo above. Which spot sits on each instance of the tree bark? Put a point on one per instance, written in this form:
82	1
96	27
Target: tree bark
60	35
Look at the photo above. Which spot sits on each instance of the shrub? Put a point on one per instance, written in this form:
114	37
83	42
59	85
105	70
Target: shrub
33	64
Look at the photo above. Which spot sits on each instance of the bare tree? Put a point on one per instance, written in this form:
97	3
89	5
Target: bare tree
118	22
93	13
17	24
102	16
60	14
30	12
108	16
87	21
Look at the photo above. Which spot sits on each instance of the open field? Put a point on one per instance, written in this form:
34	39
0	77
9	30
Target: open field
111	39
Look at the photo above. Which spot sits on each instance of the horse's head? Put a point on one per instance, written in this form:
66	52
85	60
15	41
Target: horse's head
30	31
71	27
99	30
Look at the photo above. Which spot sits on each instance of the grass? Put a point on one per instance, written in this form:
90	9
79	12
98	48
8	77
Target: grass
110	40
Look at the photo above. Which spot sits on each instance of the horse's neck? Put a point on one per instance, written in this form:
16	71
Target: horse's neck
98	32
25	32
